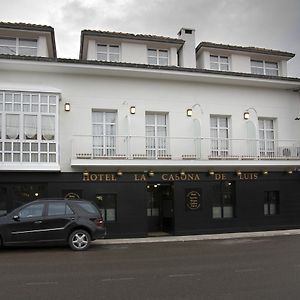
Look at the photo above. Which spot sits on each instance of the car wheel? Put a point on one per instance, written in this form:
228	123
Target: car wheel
79	240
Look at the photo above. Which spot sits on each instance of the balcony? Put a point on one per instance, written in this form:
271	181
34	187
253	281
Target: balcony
142	150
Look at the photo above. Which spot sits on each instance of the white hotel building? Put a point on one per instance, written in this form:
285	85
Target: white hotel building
163	135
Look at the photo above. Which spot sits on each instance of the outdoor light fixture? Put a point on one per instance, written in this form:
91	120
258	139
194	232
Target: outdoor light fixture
189	112
182	173
85	173
211	172
67	106
151	173
265	172
132	110
290	172
246	115
119	173
238	173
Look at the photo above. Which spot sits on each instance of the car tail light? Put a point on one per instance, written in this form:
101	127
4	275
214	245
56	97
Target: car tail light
99	222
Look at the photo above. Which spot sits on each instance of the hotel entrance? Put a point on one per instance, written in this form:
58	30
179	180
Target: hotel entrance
160	208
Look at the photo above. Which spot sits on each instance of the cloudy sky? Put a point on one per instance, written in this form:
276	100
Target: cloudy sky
273	24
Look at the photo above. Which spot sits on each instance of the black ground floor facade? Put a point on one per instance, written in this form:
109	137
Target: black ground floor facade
136	204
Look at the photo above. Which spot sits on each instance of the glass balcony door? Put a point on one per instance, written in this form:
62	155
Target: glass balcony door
104	133
156	135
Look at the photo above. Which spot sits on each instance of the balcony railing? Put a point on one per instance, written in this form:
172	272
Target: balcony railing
183	148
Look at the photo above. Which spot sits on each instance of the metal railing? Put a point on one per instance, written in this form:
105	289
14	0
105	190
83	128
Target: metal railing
198	148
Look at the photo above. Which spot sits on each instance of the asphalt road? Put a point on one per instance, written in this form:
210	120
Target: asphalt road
257	268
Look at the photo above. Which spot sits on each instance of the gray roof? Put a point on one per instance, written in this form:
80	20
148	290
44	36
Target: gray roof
146	66
246	49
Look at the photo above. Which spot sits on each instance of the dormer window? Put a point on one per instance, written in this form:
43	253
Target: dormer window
262	67
108	53
17	46
219	63
158	57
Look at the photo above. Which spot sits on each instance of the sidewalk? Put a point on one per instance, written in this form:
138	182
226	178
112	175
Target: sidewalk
204	237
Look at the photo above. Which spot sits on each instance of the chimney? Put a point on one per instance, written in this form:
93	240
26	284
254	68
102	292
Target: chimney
187	54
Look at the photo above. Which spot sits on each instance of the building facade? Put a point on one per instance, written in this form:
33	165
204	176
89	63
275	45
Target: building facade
163	136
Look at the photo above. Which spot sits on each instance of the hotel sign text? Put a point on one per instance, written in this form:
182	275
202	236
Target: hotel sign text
111	177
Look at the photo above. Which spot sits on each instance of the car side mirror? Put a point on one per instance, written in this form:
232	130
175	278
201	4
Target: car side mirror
16	218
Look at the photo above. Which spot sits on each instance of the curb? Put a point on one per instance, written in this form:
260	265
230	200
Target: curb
205	237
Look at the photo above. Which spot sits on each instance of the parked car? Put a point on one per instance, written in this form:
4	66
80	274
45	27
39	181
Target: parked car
74	222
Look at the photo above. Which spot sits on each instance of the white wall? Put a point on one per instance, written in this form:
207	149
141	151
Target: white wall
42	48
134	53
91	50
240	63
95	92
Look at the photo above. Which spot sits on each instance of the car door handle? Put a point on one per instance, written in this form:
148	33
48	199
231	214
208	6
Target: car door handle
38	222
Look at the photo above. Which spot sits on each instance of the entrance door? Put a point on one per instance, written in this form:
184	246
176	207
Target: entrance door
160	207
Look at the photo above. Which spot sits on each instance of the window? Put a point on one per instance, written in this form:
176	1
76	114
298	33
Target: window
108	206
219	132
108	53
261	67
88	207
16	46
224	200
156	135
158	57
220	63
29	127
32	211
266	137
59	209
104	133
271	203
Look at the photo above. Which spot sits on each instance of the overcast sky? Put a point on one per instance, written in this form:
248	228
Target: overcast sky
273	24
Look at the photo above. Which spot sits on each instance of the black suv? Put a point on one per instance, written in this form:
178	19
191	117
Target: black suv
76	222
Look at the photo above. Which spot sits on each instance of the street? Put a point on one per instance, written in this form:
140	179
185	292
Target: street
253	268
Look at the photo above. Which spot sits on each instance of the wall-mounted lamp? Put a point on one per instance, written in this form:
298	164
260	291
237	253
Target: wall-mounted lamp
189	112
238	173
151	173
246	115
132	110
290	172
182	173
67	106
265	172
119	173
211	172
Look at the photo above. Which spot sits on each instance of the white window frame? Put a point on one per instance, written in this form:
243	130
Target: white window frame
266	145
108	52
219	62
156	145
17	45
157	57
21	149
264	69
220	146
108	143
